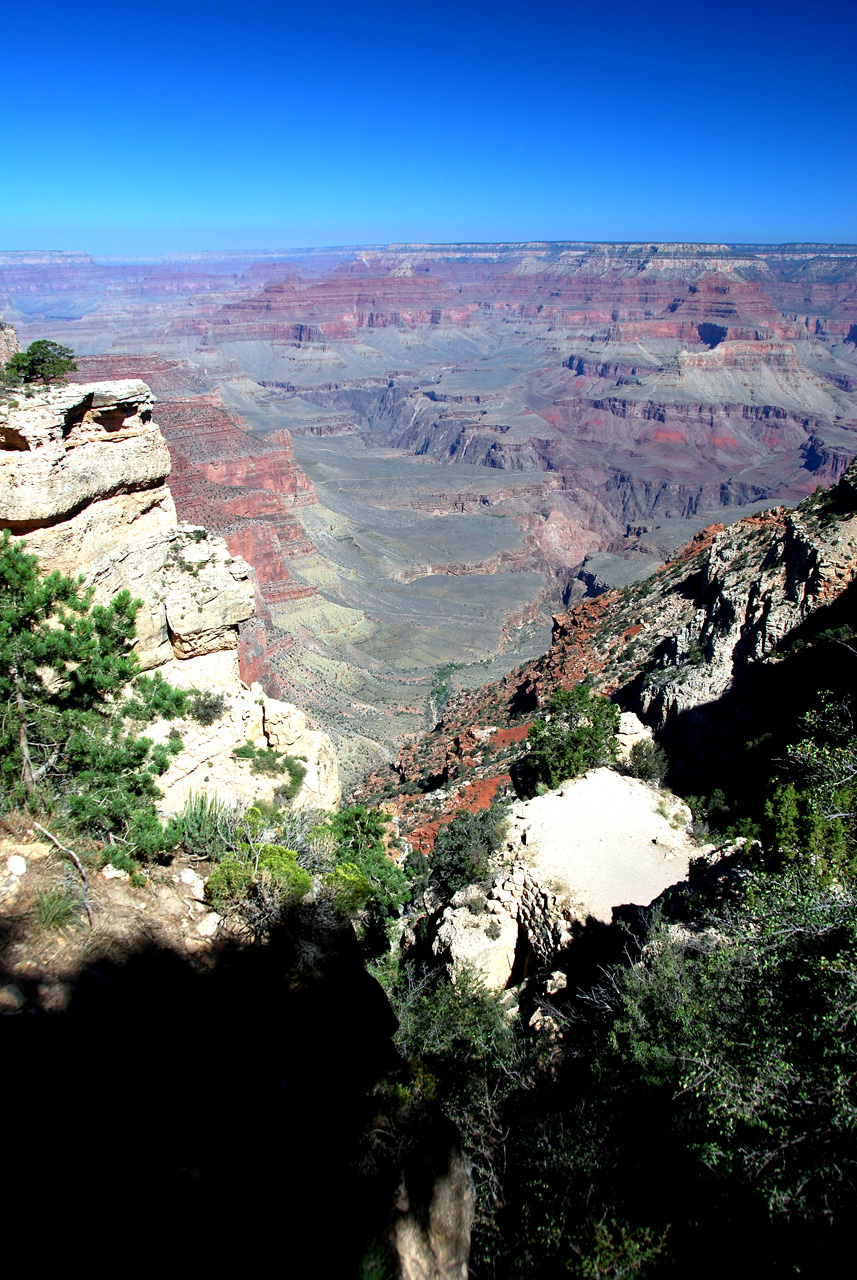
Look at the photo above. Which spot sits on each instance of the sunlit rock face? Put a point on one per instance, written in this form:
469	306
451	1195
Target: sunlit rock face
83	472
8	340
573	856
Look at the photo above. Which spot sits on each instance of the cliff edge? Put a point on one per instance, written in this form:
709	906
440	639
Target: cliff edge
83	473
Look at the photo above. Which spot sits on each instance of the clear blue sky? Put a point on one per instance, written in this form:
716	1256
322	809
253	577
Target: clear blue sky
148	128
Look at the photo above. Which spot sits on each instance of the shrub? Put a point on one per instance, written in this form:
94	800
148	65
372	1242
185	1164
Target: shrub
462	851
266	760
207	707
207	826
282	864
749	1029
578	733
229	884
258	876
648	761
365	882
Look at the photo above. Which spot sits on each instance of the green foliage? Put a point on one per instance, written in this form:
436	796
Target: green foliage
441	690
54	908
451	1027
207	707
578	733
466	1053
813	815
43	361
648	761
749	1028
207	826
351	888
462	851
694	655
367	884
154	698
61	660
229	884
266	760
282	864
63	665
613	1250
258	877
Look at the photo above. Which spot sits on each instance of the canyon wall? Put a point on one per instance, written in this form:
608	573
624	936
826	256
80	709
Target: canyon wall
83	473
599	398
698	651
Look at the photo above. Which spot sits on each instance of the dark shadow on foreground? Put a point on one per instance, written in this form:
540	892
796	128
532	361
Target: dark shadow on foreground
209	1115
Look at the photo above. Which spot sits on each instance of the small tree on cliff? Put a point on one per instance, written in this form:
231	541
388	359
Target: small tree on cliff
578	733
43	361
63	664
61	658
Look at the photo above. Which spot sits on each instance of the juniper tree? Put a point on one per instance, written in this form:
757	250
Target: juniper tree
43	361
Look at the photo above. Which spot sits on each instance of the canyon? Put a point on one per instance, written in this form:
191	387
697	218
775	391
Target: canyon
425	452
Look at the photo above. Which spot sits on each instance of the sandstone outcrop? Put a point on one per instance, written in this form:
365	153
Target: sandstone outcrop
83	476
432	1241
207	763
86	444
574	855
8	341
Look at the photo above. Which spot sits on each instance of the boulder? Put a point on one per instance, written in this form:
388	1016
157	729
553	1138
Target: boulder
473	936
631	731
432	1242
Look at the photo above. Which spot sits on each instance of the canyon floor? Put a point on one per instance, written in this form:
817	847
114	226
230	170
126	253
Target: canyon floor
425	451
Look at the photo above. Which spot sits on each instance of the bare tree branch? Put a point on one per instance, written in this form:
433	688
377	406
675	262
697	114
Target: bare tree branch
80	867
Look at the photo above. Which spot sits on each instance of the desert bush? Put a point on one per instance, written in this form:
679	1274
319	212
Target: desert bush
648	761
365	883
207	826
207	706
578	733
257	879
463	851
266	760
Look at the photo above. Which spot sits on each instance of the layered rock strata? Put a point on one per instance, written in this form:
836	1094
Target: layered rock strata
696	651
83	477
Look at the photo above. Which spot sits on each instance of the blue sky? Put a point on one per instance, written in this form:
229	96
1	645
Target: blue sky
171	127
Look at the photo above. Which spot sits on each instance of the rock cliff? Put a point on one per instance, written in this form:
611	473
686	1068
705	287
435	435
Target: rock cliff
574	856
8	341
83	474
710	651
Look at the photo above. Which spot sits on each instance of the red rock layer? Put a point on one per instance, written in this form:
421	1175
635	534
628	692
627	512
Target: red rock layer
292	310
242	486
